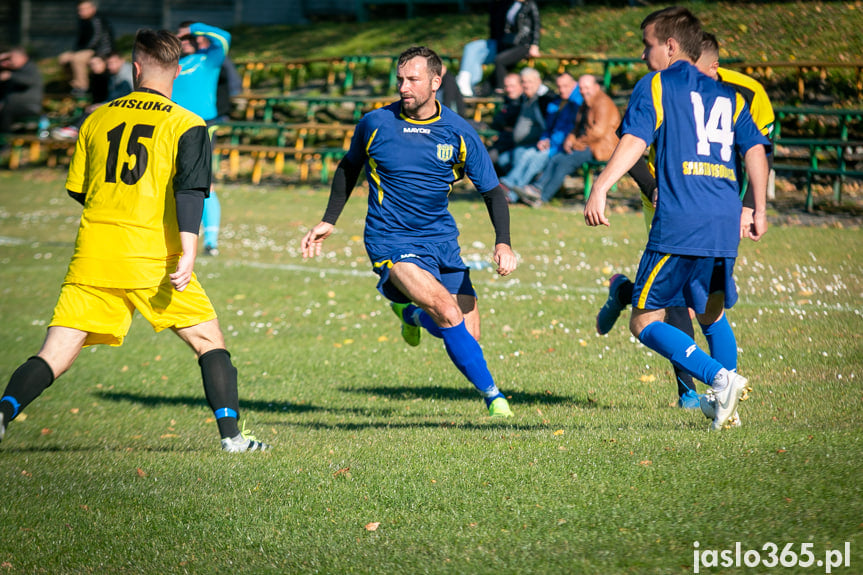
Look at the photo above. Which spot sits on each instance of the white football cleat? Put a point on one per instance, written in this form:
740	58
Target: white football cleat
726	400
707	403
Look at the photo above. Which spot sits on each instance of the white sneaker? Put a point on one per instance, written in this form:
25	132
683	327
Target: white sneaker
462	80
726	400
243	443
707	403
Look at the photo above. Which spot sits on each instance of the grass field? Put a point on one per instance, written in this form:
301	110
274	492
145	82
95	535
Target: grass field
116	468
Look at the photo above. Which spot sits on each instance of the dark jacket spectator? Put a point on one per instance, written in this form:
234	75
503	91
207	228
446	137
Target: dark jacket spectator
520	39
95	38
230	85
449	95
21	88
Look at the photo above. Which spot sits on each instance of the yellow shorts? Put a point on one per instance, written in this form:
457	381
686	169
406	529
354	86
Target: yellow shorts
106	313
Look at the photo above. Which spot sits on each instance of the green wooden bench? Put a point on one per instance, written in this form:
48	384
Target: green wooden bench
308	160
285	134
803	69
844	118
836	150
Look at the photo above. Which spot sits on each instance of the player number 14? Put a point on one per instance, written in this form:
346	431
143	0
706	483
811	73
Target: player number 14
717	129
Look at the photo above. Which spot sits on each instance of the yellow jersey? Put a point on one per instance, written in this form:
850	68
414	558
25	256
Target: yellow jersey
132	155
755	95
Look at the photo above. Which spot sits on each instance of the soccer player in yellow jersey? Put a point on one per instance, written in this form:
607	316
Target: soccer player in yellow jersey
141	169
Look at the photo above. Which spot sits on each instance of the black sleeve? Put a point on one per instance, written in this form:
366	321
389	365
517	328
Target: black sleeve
193	177
344	181
190	207
498	211
642	175
748	196
77	196
194	153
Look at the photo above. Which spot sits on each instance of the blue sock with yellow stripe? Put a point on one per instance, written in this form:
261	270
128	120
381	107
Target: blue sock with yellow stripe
466	354
723	344
681	350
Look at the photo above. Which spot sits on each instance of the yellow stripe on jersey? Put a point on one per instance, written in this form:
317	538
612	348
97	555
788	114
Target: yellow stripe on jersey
384	263
656	90
642	299
647	210
373	166
458	167
738	107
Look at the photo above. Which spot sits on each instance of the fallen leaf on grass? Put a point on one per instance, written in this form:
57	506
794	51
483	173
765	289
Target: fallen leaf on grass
46	431
645	462
559	432
373	526
342	471
647	378
141	472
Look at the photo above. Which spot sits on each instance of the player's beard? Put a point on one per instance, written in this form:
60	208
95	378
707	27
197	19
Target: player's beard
412	108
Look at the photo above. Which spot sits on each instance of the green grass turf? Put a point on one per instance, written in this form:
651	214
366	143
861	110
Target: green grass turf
117	468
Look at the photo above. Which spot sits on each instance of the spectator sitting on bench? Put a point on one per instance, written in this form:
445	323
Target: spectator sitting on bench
505	117
594	138
449	95
95	38
116	75
530	123
482	51
21	88
559	122
520	39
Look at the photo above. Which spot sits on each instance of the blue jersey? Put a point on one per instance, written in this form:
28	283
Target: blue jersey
411	166
195	87
698	126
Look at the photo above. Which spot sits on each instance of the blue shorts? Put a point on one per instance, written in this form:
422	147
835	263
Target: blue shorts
667	280
442	260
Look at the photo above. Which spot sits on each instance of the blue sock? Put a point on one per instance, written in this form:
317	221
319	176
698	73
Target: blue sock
681	350
466	354
428	323
723	344
211	219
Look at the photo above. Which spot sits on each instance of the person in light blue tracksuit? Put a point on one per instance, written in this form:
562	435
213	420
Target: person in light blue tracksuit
204	49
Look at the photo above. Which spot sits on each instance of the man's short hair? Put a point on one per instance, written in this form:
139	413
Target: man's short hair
529	72
709	44
678	23
433	61
158	47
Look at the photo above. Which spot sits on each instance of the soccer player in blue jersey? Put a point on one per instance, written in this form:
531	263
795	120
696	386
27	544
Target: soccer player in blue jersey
697	125
204	49
620	287
413	151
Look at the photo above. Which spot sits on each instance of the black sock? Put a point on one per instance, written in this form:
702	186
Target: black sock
679	317
220	388
30	379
